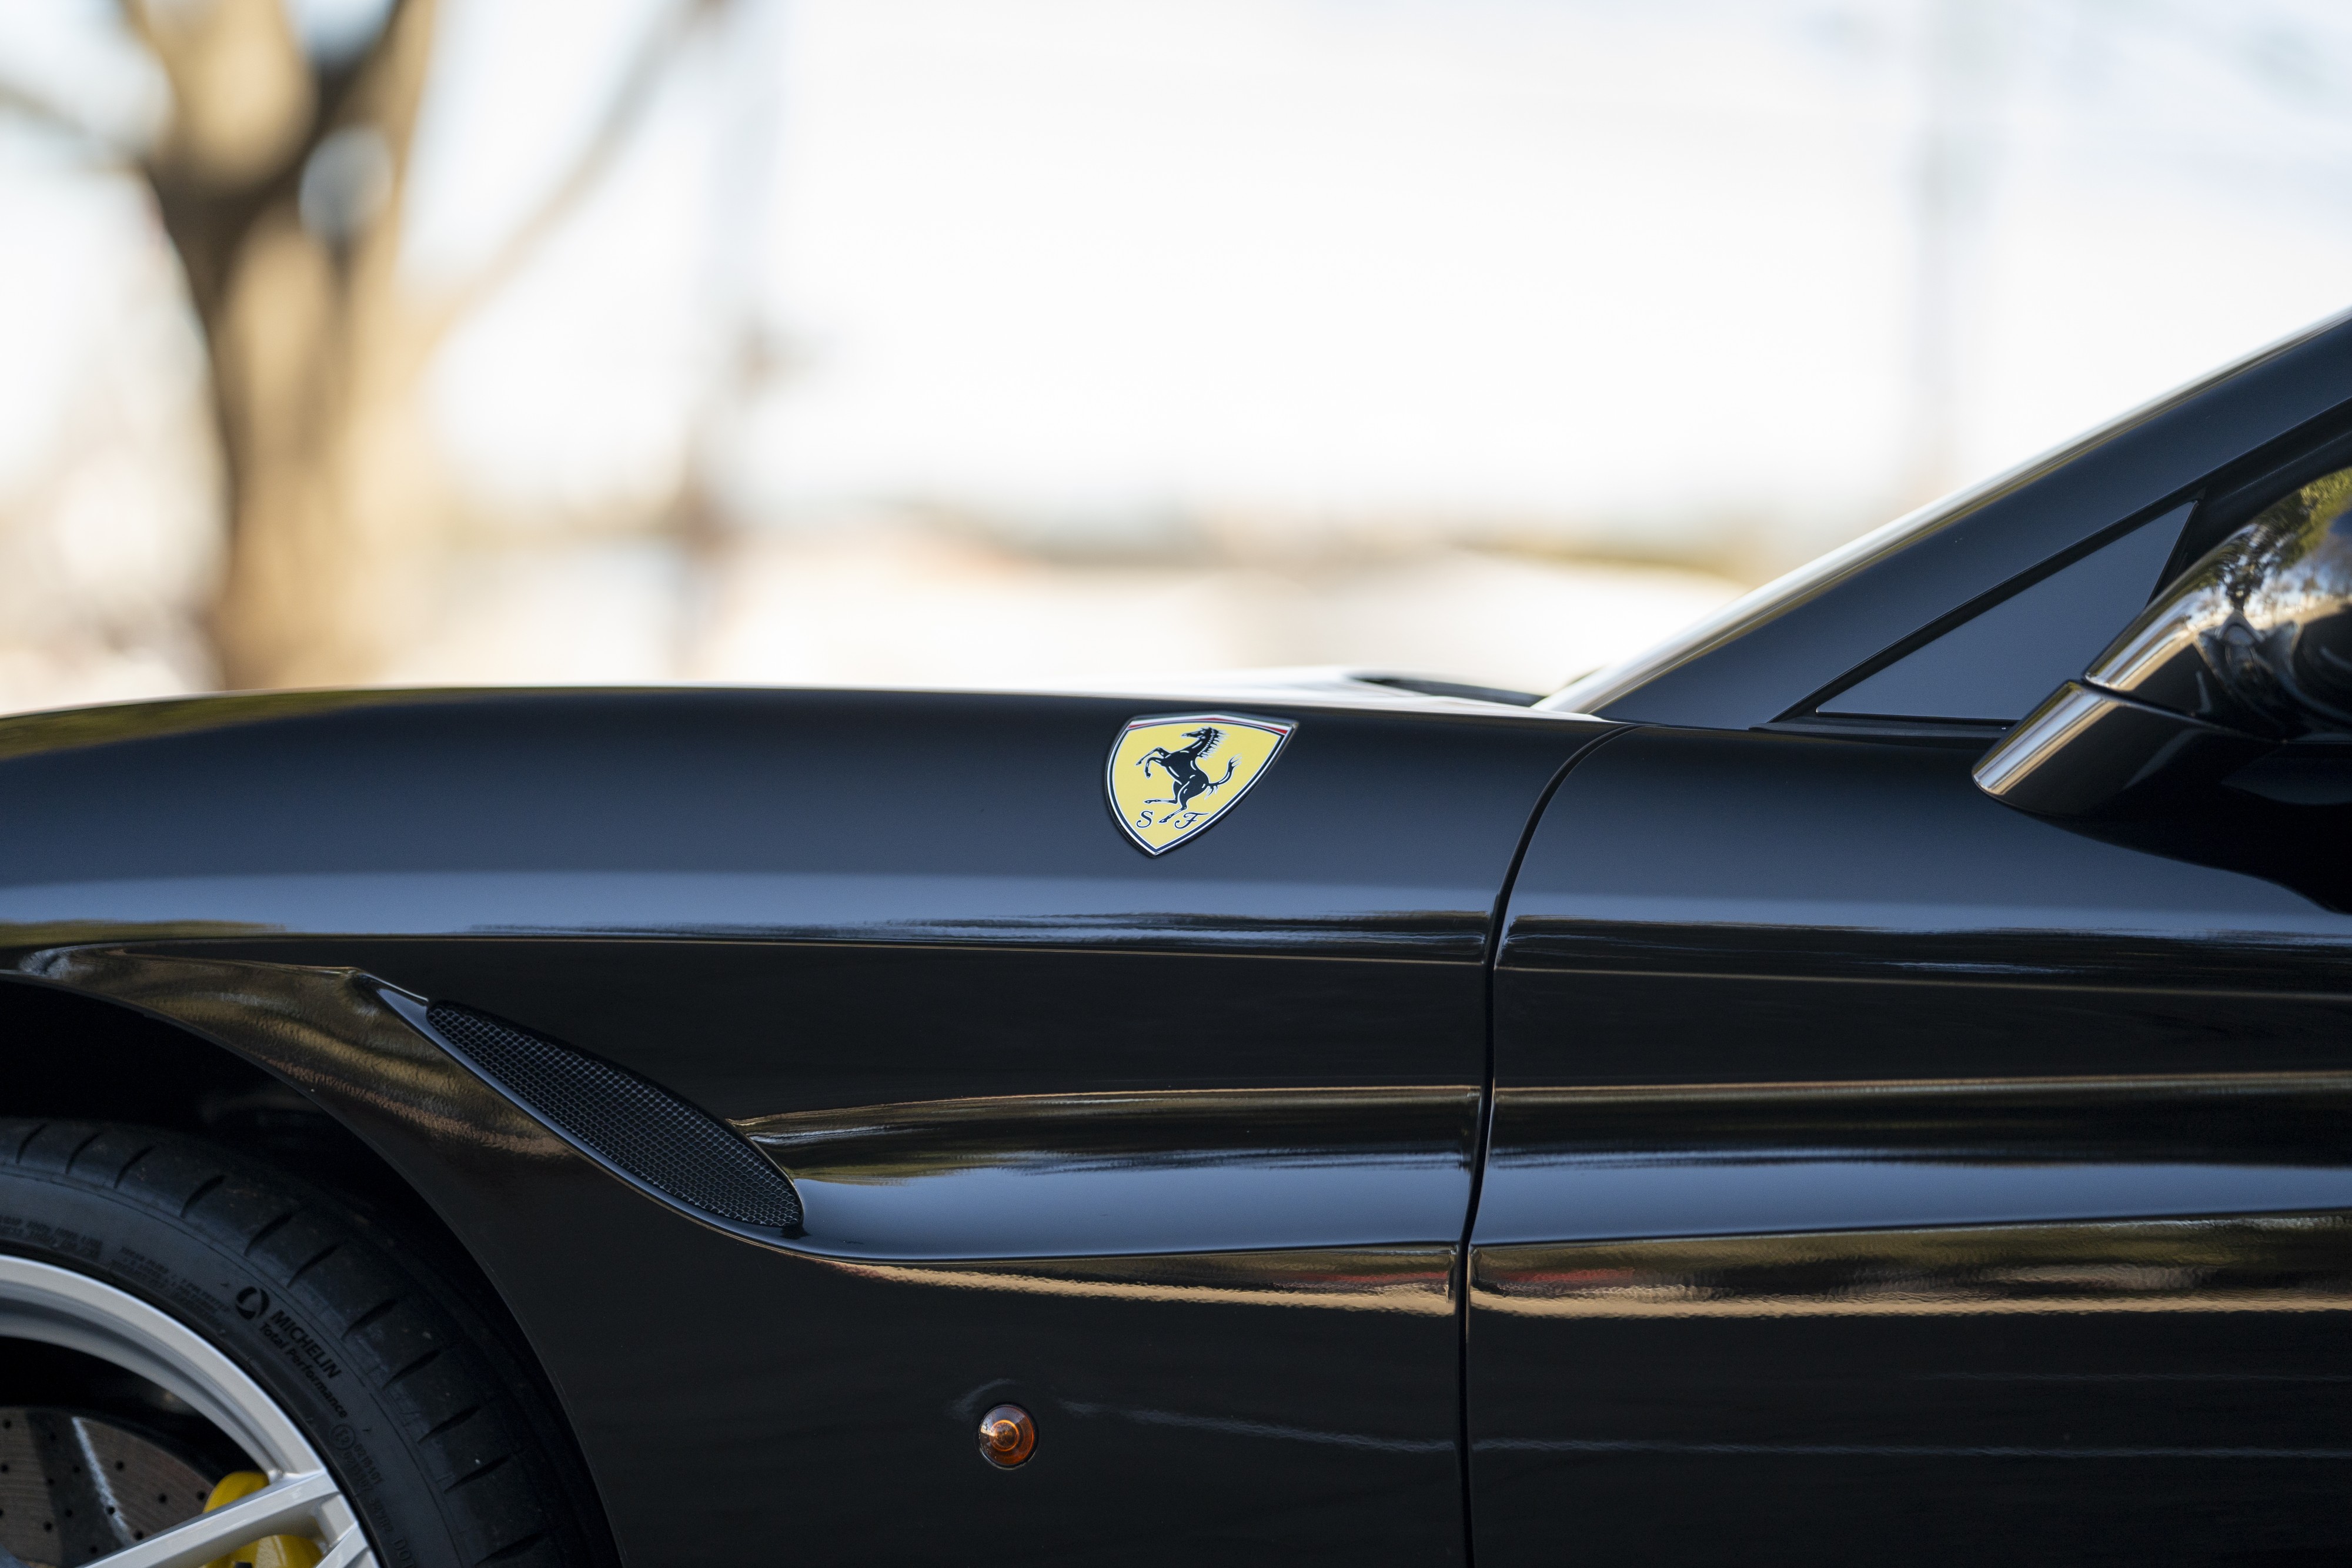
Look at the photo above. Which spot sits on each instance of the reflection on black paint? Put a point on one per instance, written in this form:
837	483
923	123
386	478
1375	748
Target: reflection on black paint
871	935
1198	1369
1948	1395
1572	1164
1273	1431
1414	1281
1060	1174
2278	1263
1818	941
1881	1176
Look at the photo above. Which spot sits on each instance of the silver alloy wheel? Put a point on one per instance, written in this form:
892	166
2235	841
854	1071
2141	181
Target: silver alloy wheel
58	1306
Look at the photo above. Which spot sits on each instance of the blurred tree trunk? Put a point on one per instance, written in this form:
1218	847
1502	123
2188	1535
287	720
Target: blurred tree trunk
279	184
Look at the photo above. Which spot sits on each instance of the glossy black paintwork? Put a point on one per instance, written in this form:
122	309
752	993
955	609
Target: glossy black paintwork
2164	1392
1788	1000
2086	755
1581	1164
798	912
1787	860
1168	1171
729	1394
723	1023
1297	1096
878	817
1874	1173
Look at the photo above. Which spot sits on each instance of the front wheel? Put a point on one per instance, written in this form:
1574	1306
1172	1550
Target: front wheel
203	1360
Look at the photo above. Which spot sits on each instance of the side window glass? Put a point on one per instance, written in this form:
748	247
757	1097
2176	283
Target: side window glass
1999	664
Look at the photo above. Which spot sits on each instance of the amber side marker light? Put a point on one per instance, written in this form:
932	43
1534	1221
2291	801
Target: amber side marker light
1007	1436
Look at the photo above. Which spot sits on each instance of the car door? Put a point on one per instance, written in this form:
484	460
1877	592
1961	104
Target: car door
1879	1173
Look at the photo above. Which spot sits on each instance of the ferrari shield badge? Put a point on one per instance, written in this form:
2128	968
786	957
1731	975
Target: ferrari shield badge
1173	774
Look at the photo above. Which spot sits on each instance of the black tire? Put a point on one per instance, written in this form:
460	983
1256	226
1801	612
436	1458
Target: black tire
431	1427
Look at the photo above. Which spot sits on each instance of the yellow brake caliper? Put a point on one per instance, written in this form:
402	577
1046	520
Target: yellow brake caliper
271	1551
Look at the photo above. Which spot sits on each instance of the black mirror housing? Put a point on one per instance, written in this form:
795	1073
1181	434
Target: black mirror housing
2088	753
2249	648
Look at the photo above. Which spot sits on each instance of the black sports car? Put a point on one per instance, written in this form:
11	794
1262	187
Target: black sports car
1871	1081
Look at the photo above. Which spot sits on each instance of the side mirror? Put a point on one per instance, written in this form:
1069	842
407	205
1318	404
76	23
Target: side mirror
2251	647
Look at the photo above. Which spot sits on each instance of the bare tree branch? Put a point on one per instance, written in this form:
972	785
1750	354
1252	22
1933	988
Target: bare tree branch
602	149
17	100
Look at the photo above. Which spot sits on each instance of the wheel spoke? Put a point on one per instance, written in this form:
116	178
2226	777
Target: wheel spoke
296	1501
350	1551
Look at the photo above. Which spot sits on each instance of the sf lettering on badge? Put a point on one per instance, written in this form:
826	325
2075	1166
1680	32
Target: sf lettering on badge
1172	775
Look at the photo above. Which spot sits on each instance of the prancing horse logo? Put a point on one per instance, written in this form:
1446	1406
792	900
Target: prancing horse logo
1162	789
1185	774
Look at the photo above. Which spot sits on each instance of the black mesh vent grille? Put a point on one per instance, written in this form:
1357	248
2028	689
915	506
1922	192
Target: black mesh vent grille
642	1129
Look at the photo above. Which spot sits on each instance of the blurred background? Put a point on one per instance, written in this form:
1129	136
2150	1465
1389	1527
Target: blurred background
976	342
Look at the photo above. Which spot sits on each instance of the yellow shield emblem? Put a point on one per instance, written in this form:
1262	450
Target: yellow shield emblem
1173	774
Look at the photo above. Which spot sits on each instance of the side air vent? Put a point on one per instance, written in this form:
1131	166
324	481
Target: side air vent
639	1130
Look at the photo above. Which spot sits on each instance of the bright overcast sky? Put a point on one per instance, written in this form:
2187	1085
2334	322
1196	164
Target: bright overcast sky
1101	257
1548	259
